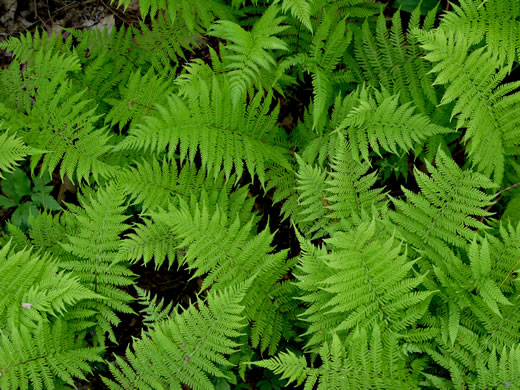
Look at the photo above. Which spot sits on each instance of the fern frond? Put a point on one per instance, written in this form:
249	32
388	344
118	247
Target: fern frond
380	122
495	21
326	51
36	345
184	349
367	361
368	282
138	98
226	251
34	288
330	198
154	310
93	246
300	9
225	137
250	50
394	60
41	358
445	211
489	112
12	150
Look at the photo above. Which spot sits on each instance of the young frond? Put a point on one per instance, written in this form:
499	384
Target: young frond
154	310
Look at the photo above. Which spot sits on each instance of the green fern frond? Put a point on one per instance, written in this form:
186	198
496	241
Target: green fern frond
250	50
25	46
138	98
40	358
300	9
352	279
488	110
179	28
92	247
393	60
154	310
327	48
36	345
225	250
498	371
495	21
150	240
12	150
379	121
34	288
225	137
185	349
330	198
445	212
367	361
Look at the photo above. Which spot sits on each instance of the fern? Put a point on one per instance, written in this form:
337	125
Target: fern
349	277
485	108
155	311
326	50
225	137
138	99
380	122
497	22
92	247
36	344
249	48
370	363
34	360
393	60
12	150
300	9
444	213
386	141
184	349
227	252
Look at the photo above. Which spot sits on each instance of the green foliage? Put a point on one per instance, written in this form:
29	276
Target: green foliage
17	188
445	211
37	344
327	191
249	50
12	150
185	348
487	109
226	137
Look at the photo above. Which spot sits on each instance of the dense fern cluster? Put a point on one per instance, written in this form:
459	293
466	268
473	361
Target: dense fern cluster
399	179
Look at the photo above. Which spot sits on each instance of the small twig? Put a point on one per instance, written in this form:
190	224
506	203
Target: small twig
508	188
509	274
499	197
